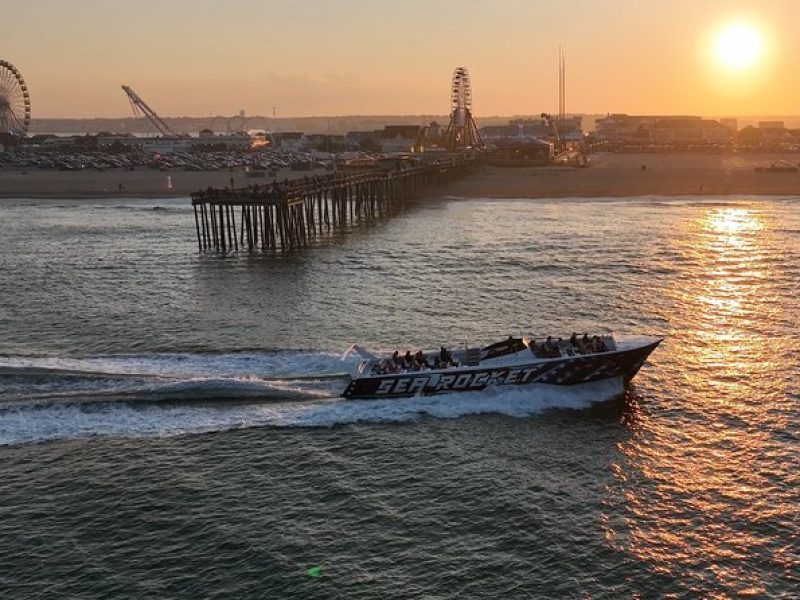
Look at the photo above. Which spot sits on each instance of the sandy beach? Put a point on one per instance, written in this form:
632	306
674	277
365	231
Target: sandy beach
639	175
144	183
608	175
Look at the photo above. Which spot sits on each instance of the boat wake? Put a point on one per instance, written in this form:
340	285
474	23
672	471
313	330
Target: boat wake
48	399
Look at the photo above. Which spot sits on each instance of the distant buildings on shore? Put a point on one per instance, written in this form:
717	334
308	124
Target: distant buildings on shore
669	132
526	139
661	130
391	139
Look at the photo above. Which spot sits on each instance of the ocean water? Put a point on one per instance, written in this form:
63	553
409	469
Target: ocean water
170	426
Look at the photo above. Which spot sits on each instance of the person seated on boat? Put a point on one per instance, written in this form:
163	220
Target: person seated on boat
549	347
396	361
511	343
597	344
381	367
420	361
408	360
539	350
574	340
445	358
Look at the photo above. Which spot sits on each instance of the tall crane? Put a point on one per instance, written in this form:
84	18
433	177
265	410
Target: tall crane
140	108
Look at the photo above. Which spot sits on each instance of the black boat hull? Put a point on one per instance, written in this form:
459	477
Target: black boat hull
572	370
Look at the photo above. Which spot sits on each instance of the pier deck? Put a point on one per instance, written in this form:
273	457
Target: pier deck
288	216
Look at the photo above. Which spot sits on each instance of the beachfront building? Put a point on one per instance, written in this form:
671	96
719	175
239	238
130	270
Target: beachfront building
769	135
368	141
400	138
60	142
540	129
693	131
510	152
170	144
290	140
622	130
328	143
207	140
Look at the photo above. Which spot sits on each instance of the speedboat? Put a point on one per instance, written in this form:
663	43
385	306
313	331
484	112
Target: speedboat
510	362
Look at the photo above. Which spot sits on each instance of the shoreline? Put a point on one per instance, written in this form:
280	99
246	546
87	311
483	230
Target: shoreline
638	175
608	176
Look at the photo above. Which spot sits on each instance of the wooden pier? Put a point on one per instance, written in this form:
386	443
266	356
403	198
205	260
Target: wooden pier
288	216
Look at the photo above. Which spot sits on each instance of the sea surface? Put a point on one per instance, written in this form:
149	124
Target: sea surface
170	426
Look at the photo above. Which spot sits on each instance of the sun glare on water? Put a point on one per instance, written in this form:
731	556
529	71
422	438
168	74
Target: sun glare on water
738	46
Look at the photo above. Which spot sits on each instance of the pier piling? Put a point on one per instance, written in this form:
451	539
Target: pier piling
288	216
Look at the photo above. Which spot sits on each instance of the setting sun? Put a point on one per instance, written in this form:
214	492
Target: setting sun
738	46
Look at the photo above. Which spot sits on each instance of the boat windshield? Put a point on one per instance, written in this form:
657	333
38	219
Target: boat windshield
511	345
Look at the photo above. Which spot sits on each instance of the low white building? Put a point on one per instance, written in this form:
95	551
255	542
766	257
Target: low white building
294	141
154	145
171	144
232	141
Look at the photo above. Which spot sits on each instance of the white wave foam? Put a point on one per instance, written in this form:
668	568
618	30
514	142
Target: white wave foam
32	424
282	364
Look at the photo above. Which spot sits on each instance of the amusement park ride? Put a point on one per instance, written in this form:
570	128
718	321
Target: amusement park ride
461	132
140	109
15	101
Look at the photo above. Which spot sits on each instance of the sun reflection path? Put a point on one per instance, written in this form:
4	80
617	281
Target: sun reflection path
694	482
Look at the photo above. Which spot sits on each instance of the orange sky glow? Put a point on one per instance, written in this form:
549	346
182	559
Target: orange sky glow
318	57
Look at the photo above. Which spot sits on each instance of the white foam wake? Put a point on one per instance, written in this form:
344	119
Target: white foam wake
34	424
281	364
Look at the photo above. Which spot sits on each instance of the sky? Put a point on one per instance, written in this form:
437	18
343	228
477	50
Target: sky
377	57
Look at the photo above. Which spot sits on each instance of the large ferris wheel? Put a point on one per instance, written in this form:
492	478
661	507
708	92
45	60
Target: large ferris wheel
15	101
461	131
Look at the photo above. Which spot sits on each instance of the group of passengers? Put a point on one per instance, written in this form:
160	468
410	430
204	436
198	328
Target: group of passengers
549	348
577	345
416	362
587	345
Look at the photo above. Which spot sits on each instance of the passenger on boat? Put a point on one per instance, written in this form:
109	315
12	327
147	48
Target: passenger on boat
408	360
396	361
420	361
515	344
381	367
549	349
445	359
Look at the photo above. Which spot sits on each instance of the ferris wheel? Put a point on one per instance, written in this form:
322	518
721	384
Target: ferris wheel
462	132
461	94
15	101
